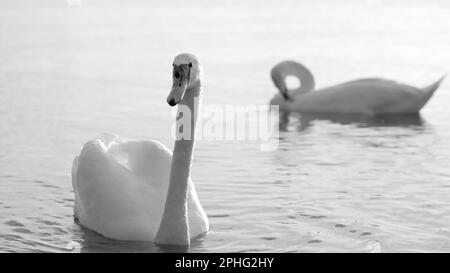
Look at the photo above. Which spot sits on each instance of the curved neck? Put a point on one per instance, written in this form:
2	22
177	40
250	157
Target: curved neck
174	227
288	68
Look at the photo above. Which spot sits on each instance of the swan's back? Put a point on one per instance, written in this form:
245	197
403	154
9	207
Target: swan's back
369	96
121	187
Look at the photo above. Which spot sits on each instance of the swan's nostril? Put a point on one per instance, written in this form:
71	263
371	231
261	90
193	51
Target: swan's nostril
177	74
172	102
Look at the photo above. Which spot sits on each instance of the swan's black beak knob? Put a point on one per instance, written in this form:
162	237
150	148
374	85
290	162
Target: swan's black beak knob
172	102
285	94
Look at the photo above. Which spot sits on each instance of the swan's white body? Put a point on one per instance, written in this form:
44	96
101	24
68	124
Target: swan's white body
121	187
365	96
136	190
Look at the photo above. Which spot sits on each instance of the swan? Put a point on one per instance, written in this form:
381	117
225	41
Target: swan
369	96
138	191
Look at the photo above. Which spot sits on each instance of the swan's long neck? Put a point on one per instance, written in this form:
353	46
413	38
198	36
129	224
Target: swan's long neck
288	68
174	227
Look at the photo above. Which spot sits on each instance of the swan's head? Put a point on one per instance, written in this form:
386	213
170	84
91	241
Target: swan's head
278	74
186	75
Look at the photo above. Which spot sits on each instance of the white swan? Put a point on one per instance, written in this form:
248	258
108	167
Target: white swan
365	96
136	190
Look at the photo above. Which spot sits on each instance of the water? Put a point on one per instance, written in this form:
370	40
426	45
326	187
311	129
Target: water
68	73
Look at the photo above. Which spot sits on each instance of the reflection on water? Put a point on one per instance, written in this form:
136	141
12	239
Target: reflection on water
302	121
94	242
336	183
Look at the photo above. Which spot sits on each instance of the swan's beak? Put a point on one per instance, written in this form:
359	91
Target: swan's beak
284	92
278	80
177	93
181	76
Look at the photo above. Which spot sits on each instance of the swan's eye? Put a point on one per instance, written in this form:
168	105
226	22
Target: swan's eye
190	64
177	74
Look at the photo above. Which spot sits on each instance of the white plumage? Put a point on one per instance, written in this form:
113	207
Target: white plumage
121	187
364	96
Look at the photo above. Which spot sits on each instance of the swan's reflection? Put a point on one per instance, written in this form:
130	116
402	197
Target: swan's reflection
92	241
329	144
303	121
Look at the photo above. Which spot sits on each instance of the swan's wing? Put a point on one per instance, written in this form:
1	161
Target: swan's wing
378	85
78	208
114	201
388	96
370	81
198	220
369	96
149	160
121	187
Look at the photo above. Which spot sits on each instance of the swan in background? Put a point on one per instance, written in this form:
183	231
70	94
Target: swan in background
370	96
136	190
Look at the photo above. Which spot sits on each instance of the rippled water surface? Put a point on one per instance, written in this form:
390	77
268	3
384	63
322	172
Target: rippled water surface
336	183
